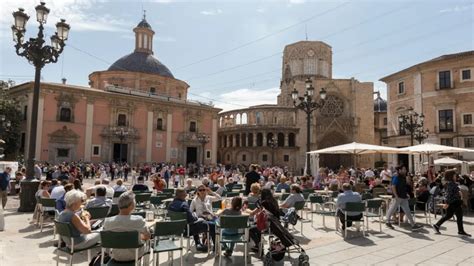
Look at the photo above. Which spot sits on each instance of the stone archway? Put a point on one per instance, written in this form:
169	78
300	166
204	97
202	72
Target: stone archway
333	161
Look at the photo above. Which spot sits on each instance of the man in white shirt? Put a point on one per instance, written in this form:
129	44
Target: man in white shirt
58	191
369	173
105	182
386	175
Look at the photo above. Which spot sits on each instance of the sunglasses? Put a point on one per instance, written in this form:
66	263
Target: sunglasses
201	190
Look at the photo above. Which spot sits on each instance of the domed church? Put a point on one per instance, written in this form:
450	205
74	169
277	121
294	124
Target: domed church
136	111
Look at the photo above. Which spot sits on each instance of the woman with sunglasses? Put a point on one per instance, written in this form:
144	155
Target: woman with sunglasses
202	203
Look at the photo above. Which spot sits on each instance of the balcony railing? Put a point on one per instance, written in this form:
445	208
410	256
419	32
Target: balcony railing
450	86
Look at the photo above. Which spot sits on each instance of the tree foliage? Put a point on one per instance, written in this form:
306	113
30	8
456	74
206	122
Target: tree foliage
10	134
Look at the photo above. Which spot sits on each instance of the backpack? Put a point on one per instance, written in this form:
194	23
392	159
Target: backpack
96	260
261	220
291	216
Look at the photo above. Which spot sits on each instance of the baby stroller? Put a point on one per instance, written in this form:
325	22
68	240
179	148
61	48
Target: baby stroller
281	242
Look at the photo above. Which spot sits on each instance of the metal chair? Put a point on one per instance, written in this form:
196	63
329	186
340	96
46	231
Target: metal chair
114	210
299	207
166	229
46	205
176	216
234	222
142	200
319	207
98	213
216	205
354	207
118	193
120	240
232	194
374	209
64	230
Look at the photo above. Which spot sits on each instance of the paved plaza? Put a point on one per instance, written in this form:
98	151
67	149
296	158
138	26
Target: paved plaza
23	244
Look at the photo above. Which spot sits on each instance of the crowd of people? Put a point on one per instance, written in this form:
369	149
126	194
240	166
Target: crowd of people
64	184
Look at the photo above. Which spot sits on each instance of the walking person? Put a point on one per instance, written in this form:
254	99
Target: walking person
400	198
4	184
454	202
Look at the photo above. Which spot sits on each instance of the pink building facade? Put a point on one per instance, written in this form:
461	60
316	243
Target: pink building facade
136	111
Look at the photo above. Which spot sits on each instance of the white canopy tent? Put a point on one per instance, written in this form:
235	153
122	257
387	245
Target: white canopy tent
353	148
447	161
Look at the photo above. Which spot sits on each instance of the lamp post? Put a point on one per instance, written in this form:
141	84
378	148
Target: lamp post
38	54
421	135
273	143
121	134
413	122
308	105
203	139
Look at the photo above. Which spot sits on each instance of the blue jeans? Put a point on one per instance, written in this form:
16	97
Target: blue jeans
229	232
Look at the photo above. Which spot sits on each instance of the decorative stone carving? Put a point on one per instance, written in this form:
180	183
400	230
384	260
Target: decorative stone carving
333	107
66	100
64	135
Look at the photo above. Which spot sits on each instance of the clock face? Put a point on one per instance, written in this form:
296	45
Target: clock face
310	53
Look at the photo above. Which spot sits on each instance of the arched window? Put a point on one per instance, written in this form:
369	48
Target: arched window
159	124
244	119
258	118
65	114
238	120
192	126
250	139
281	139
122	120
269	137
291	139
259	139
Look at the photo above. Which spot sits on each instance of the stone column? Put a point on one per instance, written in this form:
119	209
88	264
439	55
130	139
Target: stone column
264	144
88	134
286	143
255	139
169	132
149	136
214	142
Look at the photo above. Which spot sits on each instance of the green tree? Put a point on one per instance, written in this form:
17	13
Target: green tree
10	126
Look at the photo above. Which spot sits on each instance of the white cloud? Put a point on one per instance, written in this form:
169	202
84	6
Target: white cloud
211	12
261	10
78	13
456	9
241	98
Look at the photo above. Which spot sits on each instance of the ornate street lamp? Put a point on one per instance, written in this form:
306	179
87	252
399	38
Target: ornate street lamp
308	105
121	133
38	54
273	143
203	139
413	123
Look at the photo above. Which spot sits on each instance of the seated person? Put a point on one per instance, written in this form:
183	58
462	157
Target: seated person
283	185
270	183
140	185
235	209
196	226
254	194
43	190
100	199
58	191
295	196
158	182
124	222
61	203
202	203
347	196
221	189
422	196
104	183
189	186
306	182
119	187
79	221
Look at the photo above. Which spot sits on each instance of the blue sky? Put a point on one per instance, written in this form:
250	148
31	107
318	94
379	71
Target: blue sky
229	52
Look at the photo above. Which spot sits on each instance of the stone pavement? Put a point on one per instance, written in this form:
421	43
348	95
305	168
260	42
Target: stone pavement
24	244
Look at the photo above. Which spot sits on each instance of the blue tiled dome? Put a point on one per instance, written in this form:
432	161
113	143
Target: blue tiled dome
141	62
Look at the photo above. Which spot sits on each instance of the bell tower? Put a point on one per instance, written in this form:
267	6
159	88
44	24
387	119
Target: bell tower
144	36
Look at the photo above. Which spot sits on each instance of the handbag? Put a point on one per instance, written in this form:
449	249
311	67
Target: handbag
261	220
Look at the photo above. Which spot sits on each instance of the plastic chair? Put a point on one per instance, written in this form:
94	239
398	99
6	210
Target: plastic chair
118	193
377	191
299	206
284	196
142	199
98	213
374	209
232	194
319	207
120	240
114	210
168	191
176	216
166	229
216	205
46	205
367	196
354	207
234	222
65	230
